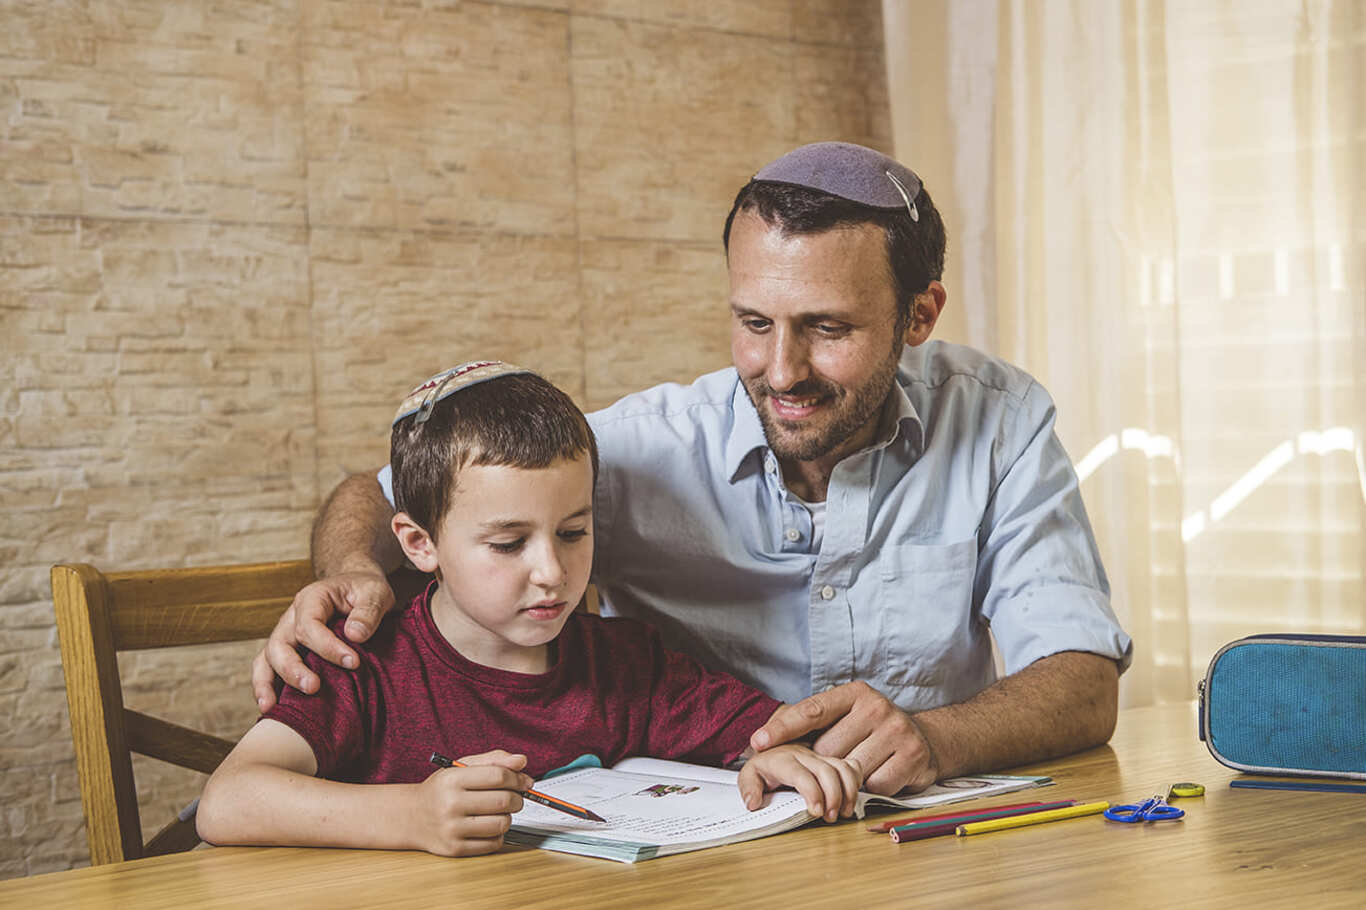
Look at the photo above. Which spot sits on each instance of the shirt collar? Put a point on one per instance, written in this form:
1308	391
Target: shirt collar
746	432
899	418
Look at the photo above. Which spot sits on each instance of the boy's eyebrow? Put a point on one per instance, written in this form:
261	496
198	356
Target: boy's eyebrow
504	524
509	524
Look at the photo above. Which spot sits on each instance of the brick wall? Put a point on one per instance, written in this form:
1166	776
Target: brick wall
231	234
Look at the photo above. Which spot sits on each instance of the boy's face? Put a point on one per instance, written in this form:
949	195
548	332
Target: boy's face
514	556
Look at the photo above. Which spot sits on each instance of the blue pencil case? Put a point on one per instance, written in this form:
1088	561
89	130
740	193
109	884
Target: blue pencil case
1288	704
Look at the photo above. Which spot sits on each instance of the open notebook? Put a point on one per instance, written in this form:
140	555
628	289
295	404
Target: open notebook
655	807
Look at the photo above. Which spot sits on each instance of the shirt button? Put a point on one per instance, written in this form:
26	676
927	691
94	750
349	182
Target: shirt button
792	534
770	465
827	593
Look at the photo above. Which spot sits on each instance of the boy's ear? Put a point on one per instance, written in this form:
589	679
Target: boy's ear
417	544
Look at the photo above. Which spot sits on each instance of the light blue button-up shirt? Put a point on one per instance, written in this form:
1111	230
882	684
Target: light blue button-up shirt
964	521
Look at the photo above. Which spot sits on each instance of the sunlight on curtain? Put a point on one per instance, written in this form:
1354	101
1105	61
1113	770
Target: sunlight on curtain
1156	209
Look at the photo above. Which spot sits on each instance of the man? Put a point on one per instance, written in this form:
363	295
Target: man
844	513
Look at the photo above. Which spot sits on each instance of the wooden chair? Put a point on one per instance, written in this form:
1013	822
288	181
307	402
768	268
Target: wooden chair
101	614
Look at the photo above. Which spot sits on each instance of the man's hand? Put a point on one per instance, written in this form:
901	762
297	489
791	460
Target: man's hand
862	726
829	785
466	811
364	596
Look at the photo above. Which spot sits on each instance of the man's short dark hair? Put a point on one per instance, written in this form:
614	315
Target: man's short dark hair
915	249
519	420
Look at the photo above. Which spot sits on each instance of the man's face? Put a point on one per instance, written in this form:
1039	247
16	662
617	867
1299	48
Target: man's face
814	334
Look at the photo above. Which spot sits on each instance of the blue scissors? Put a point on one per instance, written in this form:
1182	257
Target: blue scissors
1153	809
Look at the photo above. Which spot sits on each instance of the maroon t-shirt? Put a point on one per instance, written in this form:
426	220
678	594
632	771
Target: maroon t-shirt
614	692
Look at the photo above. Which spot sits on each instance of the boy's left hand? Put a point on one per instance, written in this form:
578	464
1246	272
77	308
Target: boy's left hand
829	785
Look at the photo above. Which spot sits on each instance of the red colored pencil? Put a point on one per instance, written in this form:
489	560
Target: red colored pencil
921	831
884	827
533	795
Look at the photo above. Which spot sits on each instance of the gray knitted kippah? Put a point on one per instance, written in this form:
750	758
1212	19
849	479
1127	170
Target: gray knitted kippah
849	171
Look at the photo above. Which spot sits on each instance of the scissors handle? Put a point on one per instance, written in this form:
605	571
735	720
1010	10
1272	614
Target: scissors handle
1153	809
1127	813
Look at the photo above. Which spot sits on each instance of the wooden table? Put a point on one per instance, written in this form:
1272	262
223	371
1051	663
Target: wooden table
1235	849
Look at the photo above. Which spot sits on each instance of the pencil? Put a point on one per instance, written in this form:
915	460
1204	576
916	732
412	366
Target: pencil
1034	818
547	801
1321	786
884	827
921	830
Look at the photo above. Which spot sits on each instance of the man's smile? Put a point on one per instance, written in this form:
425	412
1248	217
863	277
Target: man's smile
794	408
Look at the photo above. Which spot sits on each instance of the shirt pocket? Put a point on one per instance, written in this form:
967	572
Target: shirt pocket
925	612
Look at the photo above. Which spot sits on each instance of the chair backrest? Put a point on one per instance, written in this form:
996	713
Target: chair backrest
101	614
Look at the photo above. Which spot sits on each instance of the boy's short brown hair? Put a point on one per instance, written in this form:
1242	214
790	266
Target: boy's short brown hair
518	420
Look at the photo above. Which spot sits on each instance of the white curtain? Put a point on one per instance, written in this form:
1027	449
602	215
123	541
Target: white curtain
1156	208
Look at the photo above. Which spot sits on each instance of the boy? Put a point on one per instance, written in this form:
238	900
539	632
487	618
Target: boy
493	473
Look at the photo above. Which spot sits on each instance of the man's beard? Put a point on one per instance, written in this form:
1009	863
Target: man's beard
851	412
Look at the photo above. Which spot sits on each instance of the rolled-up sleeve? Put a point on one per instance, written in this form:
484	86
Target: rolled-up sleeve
385	479
1043	587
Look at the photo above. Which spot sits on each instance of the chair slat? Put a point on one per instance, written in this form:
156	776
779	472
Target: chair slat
160	739
208	584
177	837
172	626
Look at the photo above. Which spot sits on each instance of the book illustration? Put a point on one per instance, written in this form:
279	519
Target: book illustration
658	790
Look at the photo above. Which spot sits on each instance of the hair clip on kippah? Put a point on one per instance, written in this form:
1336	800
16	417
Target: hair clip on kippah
910	206
429	402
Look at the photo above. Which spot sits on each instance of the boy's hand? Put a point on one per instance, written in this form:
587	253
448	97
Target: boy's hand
466	811
829	785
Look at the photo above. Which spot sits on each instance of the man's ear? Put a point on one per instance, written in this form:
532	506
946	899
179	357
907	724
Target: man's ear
417	544
925	310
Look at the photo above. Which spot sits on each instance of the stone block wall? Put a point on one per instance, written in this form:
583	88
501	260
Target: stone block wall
233	234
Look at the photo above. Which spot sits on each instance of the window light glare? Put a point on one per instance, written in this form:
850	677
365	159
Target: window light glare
1260	473
1333	439
1101	453
1192	526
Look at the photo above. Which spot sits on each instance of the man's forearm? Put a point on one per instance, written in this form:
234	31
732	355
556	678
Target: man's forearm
1056	706
352	533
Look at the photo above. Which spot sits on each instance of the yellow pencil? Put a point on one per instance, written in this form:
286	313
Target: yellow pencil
1034	818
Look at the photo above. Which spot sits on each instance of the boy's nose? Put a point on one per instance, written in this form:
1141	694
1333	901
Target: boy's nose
548	570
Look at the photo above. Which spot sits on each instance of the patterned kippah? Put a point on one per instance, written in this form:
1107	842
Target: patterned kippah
422	399
849	171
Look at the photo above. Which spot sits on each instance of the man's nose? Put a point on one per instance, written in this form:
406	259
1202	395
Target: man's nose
789	363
